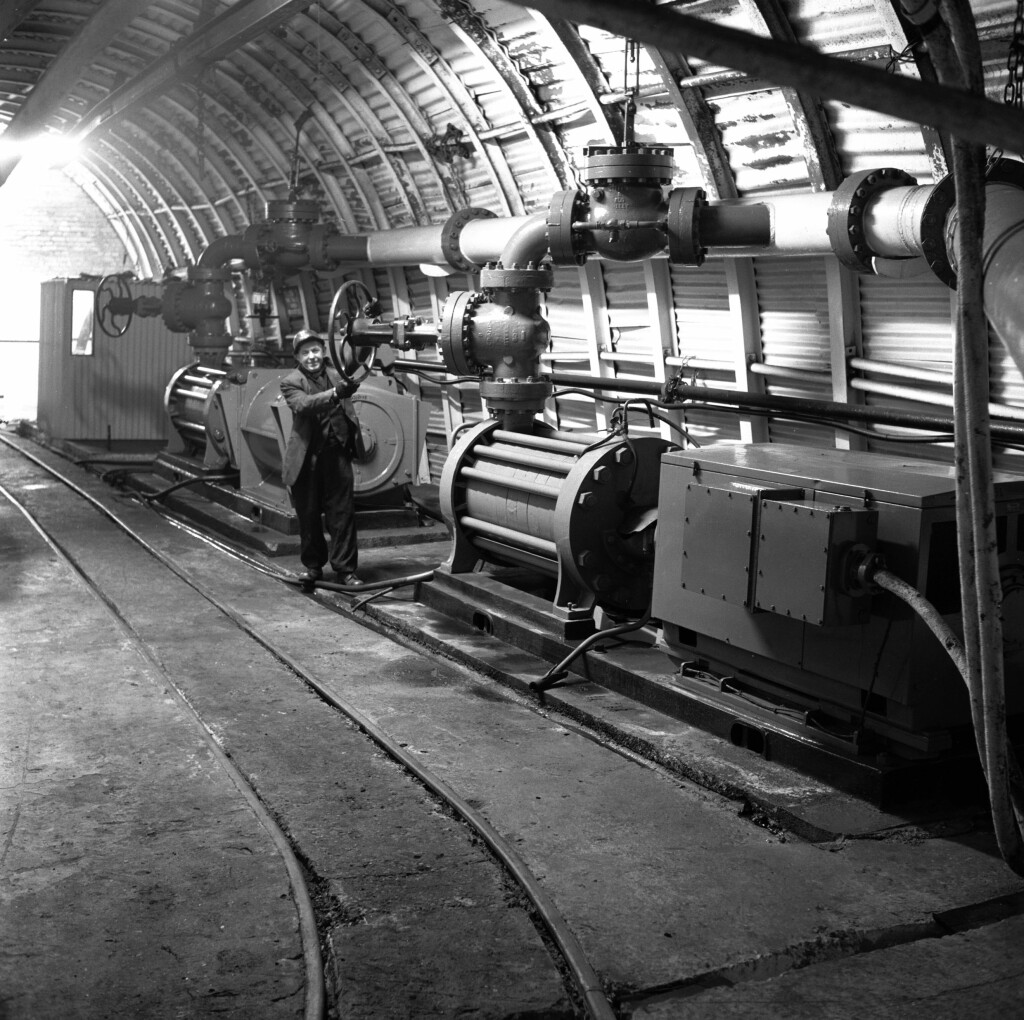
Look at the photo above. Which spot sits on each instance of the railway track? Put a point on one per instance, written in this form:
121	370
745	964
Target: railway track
585	986
637	890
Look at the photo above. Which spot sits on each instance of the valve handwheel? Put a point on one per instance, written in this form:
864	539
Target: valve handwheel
113	301
353	362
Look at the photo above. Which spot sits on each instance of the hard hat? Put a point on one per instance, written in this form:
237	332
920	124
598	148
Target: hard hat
305	336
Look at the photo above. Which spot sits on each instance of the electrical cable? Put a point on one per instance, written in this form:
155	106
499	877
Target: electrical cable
438	382
371	586
560	670
932	618
155	497
125	461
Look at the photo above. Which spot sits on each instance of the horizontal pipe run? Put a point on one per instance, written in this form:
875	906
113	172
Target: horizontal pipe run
780	405
799	226
408	365
735	225
930	397
198	380
784	372
346	247
190	426
510	482
902	371
635	359
406	246
520	459
542	546
525	439
647	387
480	241
195	394
893	222
701	363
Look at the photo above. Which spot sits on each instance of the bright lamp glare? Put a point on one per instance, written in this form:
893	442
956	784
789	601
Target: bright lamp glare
41	150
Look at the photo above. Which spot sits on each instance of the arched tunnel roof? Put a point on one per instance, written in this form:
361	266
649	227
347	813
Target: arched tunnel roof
192	114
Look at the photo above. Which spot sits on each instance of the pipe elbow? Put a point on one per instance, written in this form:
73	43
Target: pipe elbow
222	251
528	244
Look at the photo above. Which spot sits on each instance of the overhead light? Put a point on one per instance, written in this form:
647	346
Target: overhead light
47	150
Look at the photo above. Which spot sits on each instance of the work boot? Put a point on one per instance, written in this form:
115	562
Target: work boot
310	576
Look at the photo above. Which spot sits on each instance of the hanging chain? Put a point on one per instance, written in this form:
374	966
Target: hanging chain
1013	91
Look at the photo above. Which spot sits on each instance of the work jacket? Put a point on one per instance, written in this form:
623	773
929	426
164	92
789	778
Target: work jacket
307	404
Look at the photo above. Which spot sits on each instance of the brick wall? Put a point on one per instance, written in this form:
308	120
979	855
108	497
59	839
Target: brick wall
48	228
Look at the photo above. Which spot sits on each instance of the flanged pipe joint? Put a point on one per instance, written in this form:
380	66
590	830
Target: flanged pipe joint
626	215
500	331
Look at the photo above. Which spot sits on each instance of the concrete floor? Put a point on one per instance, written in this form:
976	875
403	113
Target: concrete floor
136	883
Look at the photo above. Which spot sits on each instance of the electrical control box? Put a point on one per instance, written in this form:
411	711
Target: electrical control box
756	577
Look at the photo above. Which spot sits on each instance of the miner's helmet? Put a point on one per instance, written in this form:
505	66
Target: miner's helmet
305	336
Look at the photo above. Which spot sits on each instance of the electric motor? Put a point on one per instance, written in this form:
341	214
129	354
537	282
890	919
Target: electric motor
576	506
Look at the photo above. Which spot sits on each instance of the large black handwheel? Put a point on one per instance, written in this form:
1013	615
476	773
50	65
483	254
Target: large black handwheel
353	362
113	302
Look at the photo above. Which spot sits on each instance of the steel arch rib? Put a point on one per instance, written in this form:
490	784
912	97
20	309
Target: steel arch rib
502	177
171	247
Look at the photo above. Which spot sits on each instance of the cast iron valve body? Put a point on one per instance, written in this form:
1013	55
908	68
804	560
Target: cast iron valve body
626	199
199	307
501	330
291	223
626	214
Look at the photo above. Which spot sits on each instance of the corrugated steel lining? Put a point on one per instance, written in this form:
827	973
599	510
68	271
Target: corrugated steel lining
561	89
532	172
705	333
832	27
703	319
793	300
569	348
869	141
1007	382
564	312
906	321
628	316
765	150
